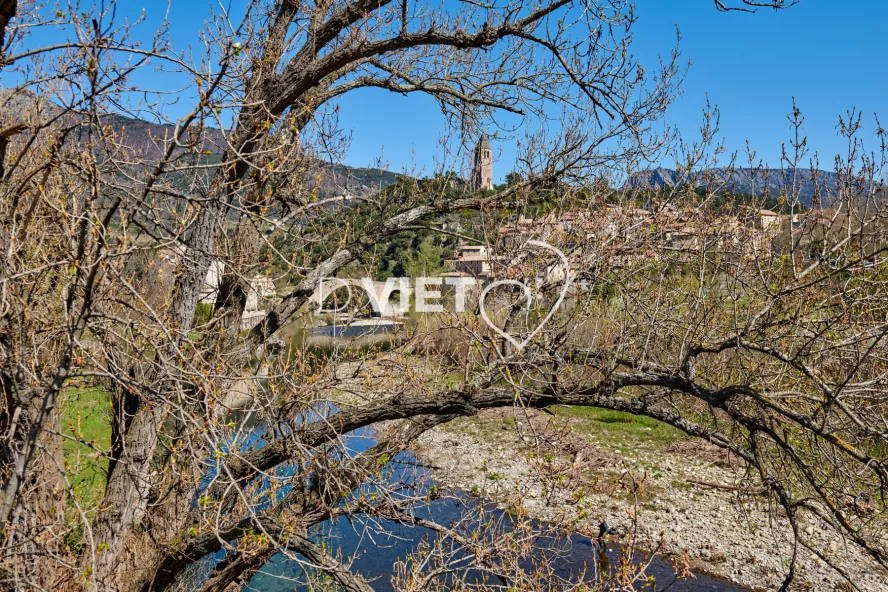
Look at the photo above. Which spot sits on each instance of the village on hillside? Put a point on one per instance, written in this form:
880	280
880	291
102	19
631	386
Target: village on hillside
623	236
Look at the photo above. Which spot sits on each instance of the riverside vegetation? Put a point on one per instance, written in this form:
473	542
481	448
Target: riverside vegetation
150	443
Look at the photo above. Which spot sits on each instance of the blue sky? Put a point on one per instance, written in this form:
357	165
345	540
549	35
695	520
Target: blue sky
830	56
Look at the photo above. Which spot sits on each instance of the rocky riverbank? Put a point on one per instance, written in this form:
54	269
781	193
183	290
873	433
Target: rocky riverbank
580	469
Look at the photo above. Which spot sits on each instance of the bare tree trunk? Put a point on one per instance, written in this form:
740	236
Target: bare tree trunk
8	9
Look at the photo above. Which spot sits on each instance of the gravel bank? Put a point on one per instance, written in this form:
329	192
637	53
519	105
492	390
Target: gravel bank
686	489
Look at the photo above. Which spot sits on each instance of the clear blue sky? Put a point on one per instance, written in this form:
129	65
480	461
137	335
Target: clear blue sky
829	55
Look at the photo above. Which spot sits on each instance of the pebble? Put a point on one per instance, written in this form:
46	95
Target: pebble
696	519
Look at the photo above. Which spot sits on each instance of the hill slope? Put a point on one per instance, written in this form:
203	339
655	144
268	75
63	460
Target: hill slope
336	179
146	138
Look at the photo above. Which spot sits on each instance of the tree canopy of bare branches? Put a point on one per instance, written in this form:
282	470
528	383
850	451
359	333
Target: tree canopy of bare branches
224	451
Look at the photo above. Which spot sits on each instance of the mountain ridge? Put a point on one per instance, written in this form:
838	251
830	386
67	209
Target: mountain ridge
336	179
147	139
749	181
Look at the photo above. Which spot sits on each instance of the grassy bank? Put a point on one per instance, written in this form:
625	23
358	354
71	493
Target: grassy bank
86	426
619	427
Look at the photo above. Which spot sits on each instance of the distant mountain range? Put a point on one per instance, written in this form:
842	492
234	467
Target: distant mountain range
336	179
744	181
146	139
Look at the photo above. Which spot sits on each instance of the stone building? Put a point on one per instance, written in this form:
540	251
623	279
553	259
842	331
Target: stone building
482	169
473	260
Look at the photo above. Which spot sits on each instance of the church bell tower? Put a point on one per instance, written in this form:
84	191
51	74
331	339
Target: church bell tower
482	171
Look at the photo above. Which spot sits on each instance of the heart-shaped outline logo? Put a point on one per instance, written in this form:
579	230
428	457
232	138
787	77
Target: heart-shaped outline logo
529	296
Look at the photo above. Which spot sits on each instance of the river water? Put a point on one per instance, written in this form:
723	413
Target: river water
375	553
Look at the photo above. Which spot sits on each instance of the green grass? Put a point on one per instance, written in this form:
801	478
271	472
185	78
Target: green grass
203	313
86	425
621	427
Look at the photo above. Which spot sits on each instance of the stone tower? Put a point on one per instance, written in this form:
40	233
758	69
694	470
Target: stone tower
482	170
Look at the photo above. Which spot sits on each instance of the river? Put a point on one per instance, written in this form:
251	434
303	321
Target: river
375	555
375	552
